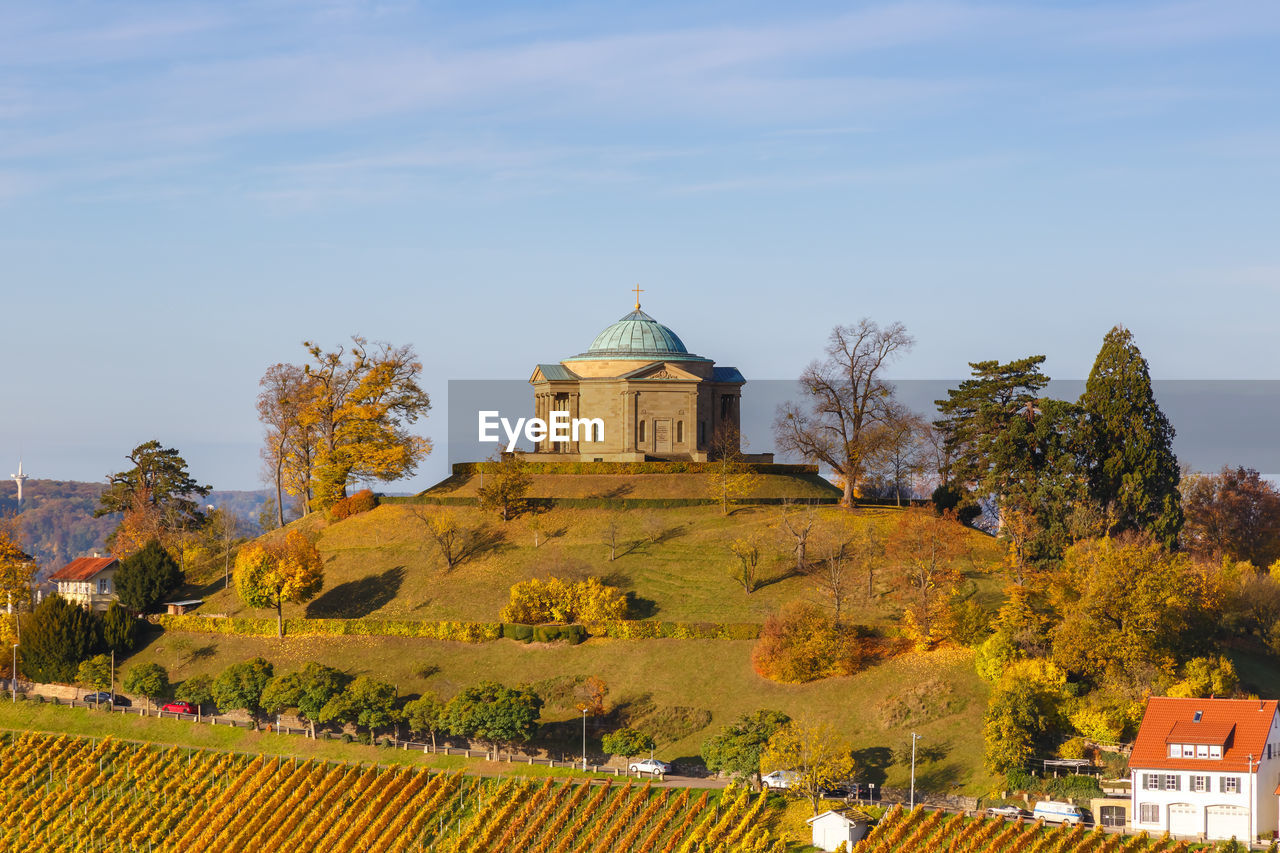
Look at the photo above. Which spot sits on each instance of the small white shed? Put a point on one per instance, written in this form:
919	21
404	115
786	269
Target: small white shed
831	829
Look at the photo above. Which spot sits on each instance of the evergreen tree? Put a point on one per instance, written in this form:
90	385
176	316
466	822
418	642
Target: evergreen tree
240	686
55	638
146	577
1128	441
119	629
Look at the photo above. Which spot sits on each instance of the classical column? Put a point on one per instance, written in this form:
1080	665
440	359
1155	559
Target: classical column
573	415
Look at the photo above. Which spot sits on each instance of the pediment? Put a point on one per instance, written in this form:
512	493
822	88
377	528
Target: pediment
552	373
662	370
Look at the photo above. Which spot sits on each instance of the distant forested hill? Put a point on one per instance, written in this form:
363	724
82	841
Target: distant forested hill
57	520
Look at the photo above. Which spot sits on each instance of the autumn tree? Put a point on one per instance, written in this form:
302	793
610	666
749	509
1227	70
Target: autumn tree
1023	714
845	397
455	541
1129	604
16	572
1202	677
732	478
198	690
361	405
146	577
505	485
1234	513
746	552
813	750
925	548
802	643
158	490
1133	472
590	695
737	748
271	575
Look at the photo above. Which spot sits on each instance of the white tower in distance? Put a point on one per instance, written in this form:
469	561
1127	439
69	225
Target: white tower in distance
19	478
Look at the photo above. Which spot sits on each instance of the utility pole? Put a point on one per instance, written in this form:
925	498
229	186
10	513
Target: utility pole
113	679
914	737
13	681
584	739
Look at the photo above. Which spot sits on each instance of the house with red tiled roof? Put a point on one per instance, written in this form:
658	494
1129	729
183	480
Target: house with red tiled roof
89	581
1207	768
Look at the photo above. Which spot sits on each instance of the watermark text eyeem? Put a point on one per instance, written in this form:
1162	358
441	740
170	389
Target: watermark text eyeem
560	427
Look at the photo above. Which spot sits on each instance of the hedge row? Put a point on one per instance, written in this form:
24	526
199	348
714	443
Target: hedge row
653	630
464	632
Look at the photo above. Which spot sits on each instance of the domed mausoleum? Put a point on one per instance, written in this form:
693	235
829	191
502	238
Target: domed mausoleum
655	399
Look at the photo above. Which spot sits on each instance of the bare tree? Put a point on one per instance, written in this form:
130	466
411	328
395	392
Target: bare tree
611	533
898	451
845	397
835	572
287	443
457	542
798	526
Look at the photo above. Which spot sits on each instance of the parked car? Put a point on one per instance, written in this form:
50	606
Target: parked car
179	708
842	790
1005	811
779	779
1052	811
105	699
650	765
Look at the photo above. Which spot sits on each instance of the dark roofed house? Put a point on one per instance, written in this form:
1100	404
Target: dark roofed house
89	581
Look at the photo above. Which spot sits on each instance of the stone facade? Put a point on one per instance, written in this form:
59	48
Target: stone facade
654	399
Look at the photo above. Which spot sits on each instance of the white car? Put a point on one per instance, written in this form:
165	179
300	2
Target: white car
1005	811
650	765
779	779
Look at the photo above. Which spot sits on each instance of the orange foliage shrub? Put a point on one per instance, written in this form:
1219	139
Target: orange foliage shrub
362	501
803	643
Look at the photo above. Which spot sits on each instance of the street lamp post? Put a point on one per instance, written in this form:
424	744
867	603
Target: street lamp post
13	681
914	737
871	793
584	740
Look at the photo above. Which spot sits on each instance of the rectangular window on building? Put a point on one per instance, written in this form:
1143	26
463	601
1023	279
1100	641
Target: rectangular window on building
1215	752
1175	750
1150	782
1172	782
642	432
679	432
1230	785
1202	751
1148	813
1200	783
102	587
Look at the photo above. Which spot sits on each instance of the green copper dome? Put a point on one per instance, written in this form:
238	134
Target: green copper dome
637	334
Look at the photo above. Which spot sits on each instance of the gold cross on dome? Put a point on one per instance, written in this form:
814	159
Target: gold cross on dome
638	292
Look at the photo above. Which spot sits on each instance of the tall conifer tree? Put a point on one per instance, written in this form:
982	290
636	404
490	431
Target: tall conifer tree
1133	472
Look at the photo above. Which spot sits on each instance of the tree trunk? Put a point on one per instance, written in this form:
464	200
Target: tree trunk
279	619
280	491
847	499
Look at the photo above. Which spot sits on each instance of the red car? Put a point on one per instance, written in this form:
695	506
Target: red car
179	708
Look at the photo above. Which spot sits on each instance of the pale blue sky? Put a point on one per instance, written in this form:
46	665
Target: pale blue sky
189	190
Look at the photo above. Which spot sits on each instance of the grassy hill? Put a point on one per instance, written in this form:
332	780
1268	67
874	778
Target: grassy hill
675	564
651	486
